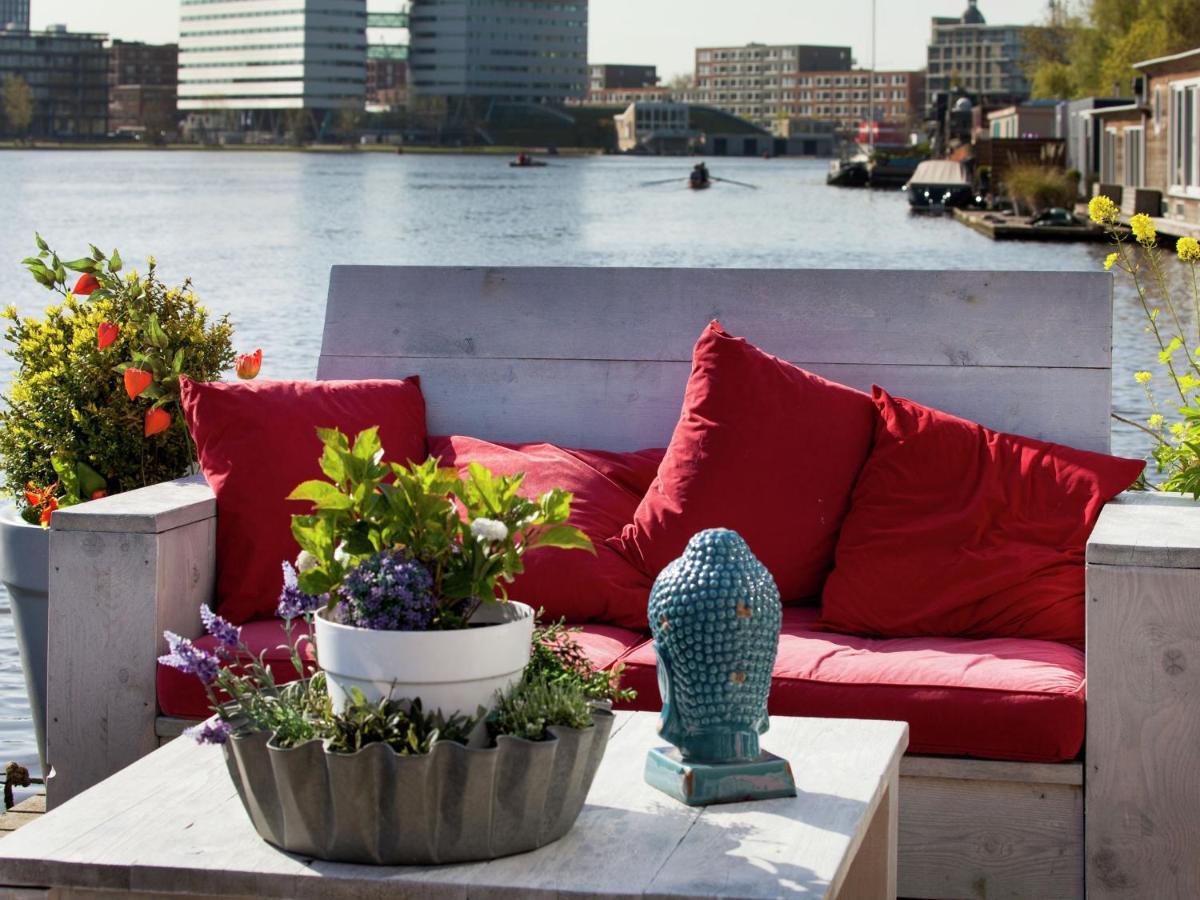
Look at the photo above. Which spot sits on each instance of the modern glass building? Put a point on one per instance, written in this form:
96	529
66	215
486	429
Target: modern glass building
14	13
256	59
532	51
67	73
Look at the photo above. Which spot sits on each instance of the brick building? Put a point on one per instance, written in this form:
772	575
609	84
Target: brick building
143	88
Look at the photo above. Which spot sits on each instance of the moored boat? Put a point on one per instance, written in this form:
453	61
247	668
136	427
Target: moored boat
939	184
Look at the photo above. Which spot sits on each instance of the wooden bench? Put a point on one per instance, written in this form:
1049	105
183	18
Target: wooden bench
599	357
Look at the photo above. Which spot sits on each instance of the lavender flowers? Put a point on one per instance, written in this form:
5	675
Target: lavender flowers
388	592
190	659
293	602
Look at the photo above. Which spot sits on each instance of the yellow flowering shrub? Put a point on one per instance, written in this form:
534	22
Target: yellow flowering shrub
67	402
1102	210
1143	229
1188	249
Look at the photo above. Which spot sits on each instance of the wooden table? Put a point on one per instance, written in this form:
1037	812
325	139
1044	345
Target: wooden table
171	824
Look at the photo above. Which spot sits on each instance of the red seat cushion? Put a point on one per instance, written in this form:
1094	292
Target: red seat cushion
257	441
761	447
183	696
957	530
1001	698
573	584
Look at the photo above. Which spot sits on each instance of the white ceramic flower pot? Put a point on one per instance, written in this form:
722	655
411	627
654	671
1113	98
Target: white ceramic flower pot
453	671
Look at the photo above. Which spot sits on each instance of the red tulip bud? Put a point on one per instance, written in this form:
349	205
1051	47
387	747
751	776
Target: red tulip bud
248	364
86	284
106	333
136	381
96	495
157	419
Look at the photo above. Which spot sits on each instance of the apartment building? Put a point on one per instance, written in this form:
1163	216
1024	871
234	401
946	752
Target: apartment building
14	13
607	76
755	81
511	50
143	87
984	61
67	73
252	60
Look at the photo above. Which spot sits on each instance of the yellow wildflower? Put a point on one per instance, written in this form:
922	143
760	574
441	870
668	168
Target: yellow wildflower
1142	377
1143	228
1188	249
1155	421
1111	260
1102	210
1177	429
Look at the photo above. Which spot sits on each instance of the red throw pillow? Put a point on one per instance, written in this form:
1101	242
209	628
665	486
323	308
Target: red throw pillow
257	441
959	531
573	584
764	448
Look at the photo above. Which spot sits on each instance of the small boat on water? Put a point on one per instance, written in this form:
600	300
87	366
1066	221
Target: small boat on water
525	161
699	185
848	173
939	184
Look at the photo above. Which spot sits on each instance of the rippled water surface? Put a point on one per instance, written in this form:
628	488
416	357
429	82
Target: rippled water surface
257	233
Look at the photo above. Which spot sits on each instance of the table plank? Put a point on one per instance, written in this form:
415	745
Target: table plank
172	823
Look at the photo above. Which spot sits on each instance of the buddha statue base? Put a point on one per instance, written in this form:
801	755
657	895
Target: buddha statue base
701	784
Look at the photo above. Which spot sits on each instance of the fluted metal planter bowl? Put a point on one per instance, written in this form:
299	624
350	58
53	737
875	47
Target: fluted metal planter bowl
452	804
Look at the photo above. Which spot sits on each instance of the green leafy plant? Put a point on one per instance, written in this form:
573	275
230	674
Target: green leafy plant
404	727
73	420
1040	187
1174	420
470	532
558	658
536	704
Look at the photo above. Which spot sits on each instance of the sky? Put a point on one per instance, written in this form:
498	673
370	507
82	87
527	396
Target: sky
659	32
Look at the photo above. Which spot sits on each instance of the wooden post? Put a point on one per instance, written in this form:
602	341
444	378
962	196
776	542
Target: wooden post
1142	783
122	569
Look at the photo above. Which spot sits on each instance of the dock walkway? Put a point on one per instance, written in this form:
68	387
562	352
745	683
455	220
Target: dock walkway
28	810
1005	227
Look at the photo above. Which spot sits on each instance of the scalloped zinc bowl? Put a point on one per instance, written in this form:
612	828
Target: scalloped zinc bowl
452	804
453	671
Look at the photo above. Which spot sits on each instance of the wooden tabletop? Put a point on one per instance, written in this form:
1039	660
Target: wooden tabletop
172	824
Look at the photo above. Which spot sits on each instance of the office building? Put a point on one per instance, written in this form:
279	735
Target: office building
752	81
68	76
143	88
606	76
983	61
249	62
509	50
14	14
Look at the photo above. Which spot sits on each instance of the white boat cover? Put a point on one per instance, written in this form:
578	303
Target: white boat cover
939	171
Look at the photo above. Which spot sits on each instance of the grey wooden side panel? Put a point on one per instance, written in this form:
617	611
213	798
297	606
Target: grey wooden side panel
1147	528
629	405
806	315
149	510
1143	731
111	596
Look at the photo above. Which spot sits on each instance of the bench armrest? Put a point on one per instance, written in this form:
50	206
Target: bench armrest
1143	677
122	570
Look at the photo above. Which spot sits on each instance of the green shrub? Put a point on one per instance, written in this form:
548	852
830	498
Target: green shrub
536	704
68	405
1040	187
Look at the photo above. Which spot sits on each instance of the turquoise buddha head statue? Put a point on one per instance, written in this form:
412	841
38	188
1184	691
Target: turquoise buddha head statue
715	616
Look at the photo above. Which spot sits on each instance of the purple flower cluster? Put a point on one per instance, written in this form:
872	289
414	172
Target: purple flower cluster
187	657
227	634
293	602
210	731
388	592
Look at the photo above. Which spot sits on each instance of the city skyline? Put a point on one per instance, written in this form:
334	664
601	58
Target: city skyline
665	33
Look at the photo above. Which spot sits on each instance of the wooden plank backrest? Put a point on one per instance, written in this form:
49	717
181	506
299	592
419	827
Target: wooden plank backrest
599	357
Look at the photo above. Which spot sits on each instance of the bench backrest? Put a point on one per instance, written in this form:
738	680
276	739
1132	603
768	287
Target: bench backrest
598	357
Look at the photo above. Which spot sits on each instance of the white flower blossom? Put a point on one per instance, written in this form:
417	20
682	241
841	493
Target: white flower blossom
489	529
342	555
305	561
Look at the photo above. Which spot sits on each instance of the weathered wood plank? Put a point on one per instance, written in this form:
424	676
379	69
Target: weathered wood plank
991	770
128	588
148	510
1147	528
983	840
169	727
949	318
1143	728
630	405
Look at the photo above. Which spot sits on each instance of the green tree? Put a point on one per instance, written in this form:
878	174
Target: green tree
17	99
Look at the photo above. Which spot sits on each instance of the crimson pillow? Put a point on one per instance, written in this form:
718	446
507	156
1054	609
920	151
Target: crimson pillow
761	447
956	530
573	584
257	441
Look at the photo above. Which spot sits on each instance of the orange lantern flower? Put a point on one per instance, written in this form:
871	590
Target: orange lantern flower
136	381
42	499
248	364
48	509
157	420
96	495
86	284
106	333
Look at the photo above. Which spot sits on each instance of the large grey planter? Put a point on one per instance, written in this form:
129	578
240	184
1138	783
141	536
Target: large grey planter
25	573
450	805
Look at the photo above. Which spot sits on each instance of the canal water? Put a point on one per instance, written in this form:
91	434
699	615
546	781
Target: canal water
257	233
